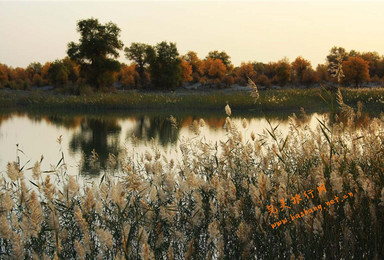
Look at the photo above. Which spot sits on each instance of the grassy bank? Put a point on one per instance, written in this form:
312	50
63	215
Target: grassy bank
215	203
270	100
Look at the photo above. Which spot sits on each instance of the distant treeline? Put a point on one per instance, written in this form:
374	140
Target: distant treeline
92	65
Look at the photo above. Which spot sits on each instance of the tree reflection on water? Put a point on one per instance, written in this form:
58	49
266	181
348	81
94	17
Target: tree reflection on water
104	134
100	136
156	127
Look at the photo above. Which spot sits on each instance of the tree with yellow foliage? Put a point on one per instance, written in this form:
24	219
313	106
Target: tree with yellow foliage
214	72
17	78
244	72
3	75
196	63
139	53
129	76
34	73
300	67
186	71
283	72
223	56
322	73
44	72
356	71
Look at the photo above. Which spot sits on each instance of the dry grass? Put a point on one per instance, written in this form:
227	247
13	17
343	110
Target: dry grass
212	203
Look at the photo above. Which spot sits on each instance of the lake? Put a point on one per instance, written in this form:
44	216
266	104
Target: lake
37	134
175	179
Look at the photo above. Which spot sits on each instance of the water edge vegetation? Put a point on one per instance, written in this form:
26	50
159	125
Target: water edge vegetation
289	100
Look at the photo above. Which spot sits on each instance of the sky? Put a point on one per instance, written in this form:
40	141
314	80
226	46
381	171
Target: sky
260	31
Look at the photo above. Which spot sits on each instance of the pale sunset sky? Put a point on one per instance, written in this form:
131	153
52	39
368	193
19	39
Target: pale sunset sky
262	31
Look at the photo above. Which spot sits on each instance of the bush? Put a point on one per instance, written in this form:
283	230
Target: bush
84	90
262	80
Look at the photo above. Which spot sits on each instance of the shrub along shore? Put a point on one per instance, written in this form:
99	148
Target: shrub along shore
284	100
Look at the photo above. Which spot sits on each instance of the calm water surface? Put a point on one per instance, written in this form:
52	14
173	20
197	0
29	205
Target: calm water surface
37	135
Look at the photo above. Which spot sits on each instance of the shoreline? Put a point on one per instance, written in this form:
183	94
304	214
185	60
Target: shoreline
284	100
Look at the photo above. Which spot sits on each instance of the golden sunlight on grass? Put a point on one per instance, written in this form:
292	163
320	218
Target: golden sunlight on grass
217	201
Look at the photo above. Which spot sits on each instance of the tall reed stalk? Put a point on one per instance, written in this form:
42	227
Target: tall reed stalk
214	202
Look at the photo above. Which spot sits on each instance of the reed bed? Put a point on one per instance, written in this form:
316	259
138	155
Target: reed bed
289	99
217	201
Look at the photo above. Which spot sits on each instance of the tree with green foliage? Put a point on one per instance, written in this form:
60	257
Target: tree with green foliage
33	71
353	53
58	74
164	65
72	69
138	53
97	51
63	72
